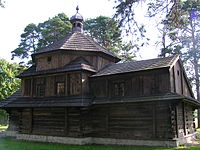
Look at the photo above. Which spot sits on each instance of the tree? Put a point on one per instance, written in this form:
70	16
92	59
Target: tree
8	82
53	30
126	11
127	53
28	44
105	31
39	36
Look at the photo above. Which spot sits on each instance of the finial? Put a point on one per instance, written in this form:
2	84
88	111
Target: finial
77	8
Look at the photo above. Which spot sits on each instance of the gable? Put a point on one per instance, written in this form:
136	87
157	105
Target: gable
179	81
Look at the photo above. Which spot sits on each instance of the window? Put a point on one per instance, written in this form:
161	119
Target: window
74	84
40	87
49	59
119	89
60	85
60	88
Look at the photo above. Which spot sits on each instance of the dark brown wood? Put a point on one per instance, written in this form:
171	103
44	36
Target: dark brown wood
83	94
184	122
66	122
176	115
174	79
154	120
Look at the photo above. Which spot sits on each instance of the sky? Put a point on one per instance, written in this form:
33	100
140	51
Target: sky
18	14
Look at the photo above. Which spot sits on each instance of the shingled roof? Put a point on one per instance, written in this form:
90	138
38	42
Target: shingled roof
137	66
79	42
16	100
77	64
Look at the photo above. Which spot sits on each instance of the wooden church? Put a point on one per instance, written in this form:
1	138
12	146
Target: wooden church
77	92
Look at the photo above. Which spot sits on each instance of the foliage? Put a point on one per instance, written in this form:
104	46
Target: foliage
39	36
105	31
126	12
11	144
127	53
8	81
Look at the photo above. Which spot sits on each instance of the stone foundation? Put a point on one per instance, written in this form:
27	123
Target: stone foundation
104	141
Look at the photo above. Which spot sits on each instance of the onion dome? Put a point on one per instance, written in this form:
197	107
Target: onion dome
77	22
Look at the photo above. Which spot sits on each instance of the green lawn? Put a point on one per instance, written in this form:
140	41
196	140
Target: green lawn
12	144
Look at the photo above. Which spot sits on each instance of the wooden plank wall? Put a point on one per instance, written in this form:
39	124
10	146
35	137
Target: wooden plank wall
185	119
72	122
134	121
14	117
147	120
79	80
136	84
59	59
48	121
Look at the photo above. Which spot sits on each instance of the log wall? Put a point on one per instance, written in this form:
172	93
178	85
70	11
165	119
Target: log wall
147	120
134	121
185	119
137	84
75	83
60	59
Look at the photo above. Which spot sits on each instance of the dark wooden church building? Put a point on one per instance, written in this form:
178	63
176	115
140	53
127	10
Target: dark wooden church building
77	92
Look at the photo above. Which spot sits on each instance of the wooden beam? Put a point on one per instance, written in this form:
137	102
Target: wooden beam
183	112
66	129
107	120
181	74
176	115
174	79
154	120
31	121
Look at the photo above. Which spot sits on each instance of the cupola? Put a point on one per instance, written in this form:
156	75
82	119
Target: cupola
77	22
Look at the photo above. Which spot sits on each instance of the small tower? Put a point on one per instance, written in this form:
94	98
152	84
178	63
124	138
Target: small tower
77	22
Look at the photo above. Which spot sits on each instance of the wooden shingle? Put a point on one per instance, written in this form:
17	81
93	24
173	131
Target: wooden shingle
137	66
77	41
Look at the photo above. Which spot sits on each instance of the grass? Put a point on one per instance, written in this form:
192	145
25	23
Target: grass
12	144
3	128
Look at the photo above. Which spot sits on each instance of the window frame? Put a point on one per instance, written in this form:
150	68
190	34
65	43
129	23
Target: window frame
118	88
62	89
40	87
